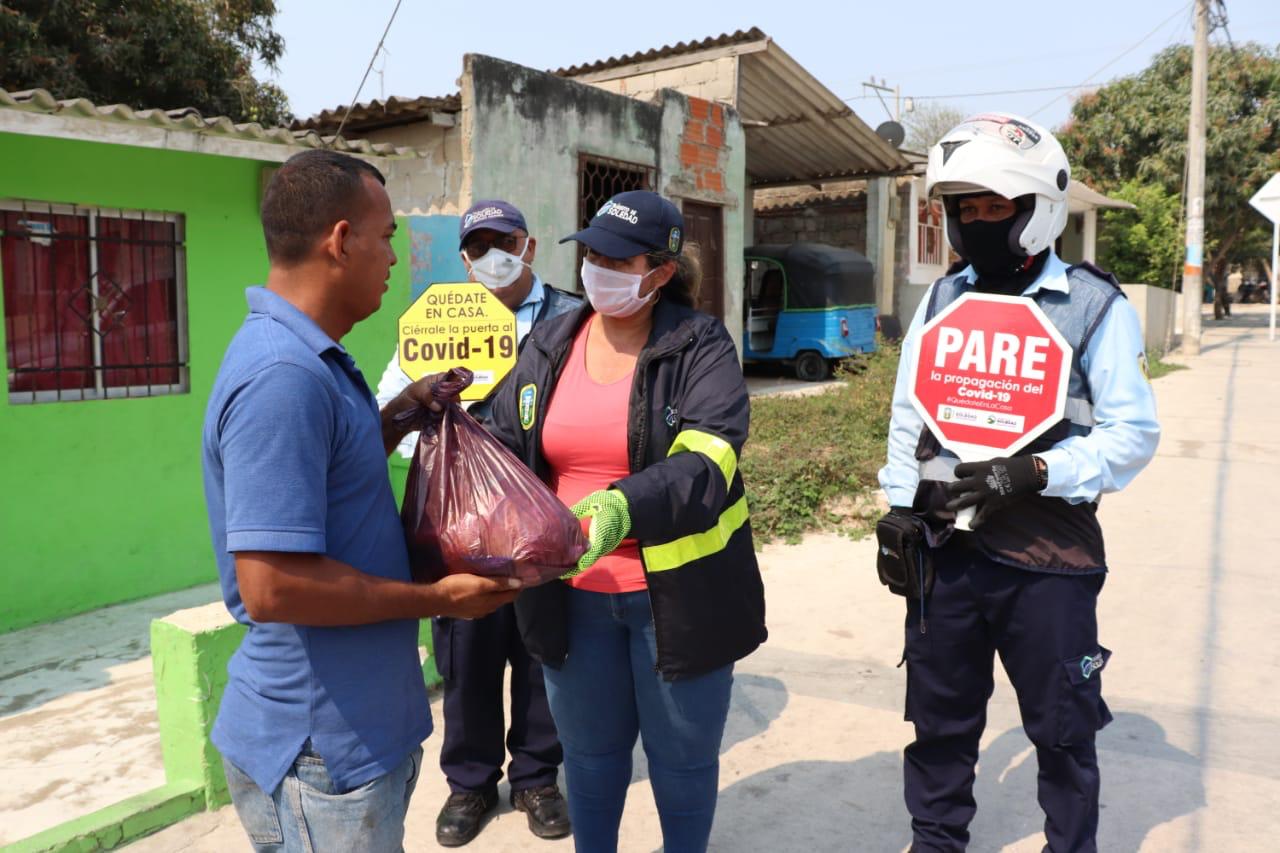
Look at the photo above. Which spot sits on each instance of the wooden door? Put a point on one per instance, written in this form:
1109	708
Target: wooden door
704	225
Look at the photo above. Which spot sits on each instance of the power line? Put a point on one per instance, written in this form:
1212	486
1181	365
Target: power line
372	60
1181	10
1219	19
972	94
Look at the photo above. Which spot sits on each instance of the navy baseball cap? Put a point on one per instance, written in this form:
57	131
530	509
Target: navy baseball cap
493	214
634	223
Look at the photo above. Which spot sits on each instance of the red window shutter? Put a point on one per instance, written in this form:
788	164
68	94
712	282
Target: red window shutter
137	288
45	264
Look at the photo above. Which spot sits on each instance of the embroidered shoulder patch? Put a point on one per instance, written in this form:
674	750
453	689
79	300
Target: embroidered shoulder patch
528	405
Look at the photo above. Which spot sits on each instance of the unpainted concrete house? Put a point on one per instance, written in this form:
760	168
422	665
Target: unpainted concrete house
706	124
558	150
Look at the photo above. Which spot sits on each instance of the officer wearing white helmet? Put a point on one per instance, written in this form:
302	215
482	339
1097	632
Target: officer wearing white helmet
1025	581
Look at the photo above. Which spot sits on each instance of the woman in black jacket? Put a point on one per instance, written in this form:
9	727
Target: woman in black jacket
633	409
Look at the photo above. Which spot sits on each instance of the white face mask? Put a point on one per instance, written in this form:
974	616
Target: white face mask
613	293
497	269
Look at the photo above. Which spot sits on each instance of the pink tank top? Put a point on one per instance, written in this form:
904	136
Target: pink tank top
584	440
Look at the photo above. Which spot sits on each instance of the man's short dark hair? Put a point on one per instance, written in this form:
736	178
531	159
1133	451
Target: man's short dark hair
311	192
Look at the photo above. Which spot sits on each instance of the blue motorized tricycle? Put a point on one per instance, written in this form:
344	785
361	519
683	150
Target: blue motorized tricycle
808	305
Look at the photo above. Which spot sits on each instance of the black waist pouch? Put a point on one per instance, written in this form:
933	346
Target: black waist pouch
902	561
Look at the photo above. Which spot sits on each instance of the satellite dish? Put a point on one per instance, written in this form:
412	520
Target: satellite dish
892	133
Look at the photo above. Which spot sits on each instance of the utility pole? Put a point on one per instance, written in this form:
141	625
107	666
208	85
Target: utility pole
896	91
1193	268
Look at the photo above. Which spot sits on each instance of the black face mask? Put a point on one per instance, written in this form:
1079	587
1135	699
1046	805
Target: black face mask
1000	269
986	246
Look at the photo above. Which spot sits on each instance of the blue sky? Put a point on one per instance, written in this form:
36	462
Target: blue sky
928	47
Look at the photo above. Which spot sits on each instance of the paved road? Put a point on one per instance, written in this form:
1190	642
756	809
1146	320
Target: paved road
811	760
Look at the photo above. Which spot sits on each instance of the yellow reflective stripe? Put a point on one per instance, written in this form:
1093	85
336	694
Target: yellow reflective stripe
711	446
673	555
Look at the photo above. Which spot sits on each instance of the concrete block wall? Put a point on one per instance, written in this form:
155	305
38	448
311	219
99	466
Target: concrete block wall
704	159
838	224
839	221
702	149
526	130
710	80
431	183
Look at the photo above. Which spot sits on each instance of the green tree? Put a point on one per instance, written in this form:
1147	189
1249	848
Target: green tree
1143	245
1135	129
146	53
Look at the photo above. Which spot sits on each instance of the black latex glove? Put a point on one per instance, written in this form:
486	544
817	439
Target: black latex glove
992	485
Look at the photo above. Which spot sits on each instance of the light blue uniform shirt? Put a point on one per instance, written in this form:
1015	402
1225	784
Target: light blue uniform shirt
294	462
528	310
1081	468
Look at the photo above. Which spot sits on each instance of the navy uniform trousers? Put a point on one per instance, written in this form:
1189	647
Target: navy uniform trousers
472	657
1045	629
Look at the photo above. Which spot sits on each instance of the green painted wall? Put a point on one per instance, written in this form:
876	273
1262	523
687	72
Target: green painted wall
101	501
190	670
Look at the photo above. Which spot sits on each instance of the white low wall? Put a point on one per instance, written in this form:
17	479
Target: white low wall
908	297
1155	311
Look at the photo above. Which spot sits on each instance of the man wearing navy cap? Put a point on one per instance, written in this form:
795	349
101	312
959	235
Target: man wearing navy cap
472	656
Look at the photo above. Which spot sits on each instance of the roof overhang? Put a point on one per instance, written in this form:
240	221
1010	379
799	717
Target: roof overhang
393	112
798	131
37	113
1082	197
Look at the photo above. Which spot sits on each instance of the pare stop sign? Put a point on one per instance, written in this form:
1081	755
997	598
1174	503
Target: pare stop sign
991	375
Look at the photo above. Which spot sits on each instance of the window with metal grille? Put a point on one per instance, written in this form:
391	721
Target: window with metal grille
601	178
94	302
930	241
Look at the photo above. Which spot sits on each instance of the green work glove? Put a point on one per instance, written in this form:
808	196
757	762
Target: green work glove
610	523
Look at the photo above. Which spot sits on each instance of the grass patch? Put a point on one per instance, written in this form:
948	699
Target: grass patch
811	461
1157	367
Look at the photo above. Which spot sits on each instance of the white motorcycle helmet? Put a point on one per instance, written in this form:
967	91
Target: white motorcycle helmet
1009	156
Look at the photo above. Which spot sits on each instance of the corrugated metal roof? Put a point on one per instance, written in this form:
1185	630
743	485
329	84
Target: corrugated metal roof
376	114
722	40
189	119
797	129
788	199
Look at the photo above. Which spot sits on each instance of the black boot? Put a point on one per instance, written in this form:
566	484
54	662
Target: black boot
547	810
459	821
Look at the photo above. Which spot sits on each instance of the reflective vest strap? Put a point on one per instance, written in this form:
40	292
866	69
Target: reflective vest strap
695	546
715	448
1079	411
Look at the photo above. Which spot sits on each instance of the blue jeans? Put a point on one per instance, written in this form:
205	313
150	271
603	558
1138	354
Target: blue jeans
608	692
306	815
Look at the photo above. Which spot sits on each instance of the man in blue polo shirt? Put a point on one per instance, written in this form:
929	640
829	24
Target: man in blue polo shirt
325	707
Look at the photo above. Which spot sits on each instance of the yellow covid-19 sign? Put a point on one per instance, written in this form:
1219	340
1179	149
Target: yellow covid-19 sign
458	324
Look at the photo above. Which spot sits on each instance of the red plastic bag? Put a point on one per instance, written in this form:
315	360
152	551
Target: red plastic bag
470	506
